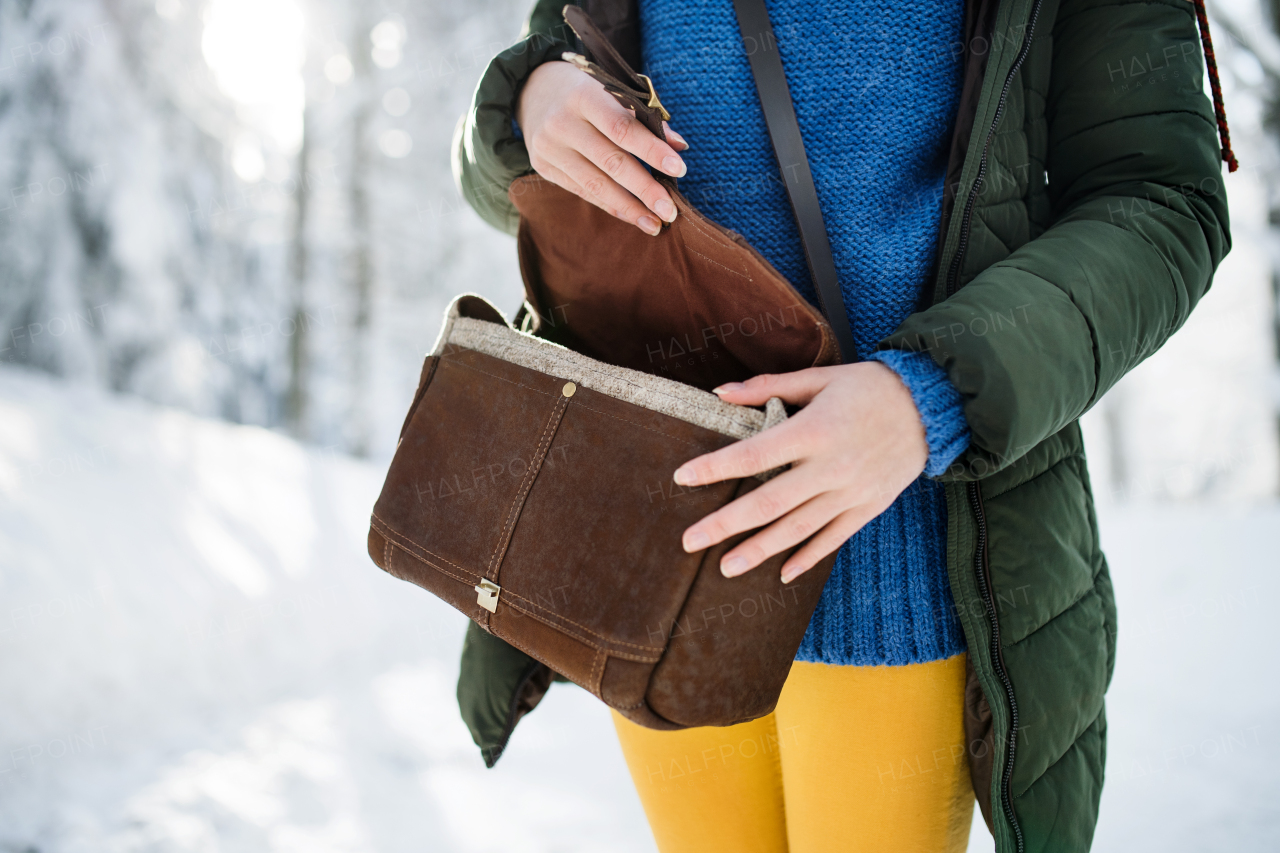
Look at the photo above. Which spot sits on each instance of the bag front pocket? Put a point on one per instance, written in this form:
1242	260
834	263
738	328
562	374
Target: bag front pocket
596	551
450	494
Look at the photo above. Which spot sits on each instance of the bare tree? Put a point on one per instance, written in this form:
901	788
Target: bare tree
296	402
1264	45
361	259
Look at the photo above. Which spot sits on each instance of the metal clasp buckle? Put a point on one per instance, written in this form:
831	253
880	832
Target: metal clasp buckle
654	103
487	595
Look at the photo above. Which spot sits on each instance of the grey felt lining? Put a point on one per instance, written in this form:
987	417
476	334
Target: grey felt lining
655	393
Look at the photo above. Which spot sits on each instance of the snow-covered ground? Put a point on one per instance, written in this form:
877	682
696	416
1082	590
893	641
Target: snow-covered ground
196	655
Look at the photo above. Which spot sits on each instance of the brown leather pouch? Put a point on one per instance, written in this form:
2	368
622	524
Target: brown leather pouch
532	487
697	303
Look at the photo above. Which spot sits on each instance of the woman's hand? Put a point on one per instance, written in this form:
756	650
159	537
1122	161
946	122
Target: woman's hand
581	138
856	445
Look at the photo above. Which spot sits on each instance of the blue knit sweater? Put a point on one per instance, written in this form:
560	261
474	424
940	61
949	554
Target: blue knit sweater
876	89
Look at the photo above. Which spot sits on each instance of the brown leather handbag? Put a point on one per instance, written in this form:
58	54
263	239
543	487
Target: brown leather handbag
532	486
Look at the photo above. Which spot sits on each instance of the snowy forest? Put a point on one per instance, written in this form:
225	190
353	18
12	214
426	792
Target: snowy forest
228	231
245	209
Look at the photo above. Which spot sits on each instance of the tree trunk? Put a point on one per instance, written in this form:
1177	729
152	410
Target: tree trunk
361	248
296	401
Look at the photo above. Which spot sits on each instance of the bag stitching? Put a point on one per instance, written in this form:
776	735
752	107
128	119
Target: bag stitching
423	559
440	569
597	665
715	238
494	375
514	594
727	243
717	263
409	542
504	540
604	643
641	426
634	657
608	640
524	648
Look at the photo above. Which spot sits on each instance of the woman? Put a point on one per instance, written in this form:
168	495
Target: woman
1024	200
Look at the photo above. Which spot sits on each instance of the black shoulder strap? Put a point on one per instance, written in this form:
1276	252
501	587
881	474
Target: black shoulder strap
784	131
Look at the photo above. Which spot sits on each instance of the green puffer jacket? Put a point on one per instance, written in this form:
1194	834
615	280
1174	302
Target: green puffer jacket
1084	218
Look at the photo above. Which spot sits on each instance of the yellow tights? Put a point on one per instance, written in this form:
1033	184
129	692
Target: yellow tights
852	759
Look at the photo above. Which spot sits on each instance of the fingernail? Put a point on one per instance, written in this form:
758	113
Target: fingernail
665	209
674	166
728	387
684	476
731	567
677	137
790	573
649	225
696	541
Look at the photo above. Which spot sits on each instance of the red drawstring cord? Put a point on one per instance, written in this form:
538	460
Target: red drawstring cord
1219	110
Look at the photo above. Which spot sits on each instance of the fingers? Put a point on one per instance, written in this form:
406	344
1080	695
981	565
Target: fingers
580	159
586	181
827	540
774	499
674	139
764	451
622	128
623	170
577	134
602	190
796	388
645	222
785	533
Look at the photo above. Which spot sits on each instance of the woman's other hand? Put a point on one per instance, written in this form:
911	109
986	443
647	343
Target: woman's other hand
582	139
854	447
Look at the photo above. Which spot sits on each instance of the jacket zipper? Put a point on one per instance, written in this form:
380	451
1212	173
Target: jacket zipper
980	568
966	222
980	560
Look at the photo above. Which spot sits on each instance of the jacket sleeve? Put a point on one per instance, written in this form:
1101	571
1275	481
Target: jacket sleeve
1139	226
487	154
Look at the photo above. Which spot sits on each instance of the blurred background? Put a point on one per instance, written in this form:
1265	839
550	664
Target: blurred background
228	230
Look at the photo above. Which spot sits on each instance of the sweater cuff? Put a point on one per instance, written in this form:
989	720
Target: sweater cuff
940	405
